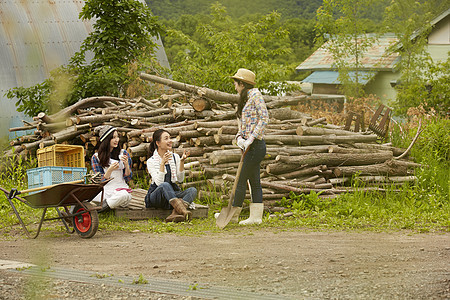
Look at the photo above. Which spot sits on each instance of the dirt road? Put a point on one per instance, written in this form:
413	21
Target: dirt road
294	264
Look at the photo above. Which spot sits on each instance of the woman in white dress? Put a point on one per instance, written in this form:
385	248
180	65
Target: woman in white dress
115	164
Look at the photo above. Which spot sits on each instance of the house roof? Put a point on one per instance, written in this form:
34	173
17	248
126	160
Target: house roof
375	58
331	77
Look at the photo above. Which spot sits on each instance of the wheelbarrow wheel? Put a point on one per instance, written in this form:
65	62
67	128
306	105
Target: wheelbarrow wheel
85	224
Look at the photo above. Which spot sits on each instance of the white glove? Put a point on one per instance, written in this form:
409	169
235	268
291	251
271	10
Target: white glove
247	144
240	142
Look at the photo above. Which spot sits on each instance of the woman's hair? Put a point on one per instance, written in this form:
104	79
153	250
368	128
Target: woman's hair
156	138
103	151
243	97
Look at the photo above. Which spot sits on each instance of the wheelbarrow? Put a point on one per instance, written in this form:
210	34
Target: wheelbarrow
84	215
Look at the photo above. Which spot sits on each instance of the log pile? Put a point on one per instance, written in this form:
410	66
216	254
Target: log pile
303	154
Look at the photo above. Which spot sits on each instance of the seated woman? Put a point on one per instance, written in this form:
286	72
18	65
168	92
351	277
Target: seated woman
166	169
112	162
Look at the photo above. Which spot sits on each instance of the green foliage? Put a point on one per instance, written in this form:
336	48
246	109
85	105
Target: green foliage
140	280
32	100
344	22
439	80
410	20
13	175
122	34
172	9
432	150
224	46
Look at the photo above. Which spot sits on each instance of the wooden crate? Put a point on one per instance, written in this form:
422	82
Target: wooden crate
201	211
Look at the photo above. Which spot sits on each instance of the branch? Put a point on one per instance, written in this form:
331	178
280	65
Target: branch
412	143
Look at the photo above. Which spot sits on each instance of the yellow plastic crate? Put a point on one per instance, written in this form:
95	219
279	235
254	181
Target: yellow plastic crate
61	156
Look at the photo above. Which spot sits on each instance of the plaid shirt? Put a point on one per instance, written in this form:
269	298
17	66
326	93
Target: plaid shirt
96	167
254	117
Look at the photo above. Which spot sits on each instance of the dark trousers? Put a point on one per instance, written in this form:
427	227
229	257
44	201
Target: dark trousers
251	168
160	196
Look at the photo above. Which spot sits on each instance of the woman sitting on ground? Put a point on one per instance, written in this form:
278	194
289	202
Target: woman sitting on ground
166	169
113	163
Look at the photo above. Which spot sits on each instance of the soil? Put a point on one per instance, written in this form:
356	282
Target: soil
295	264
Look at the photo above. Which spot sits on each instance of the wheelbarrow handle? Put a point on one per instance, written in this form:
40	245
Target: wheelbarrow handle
48	186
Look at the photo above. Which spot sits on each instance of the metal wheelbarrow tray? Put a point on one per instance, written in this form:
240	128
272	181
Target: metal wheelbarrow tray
84	216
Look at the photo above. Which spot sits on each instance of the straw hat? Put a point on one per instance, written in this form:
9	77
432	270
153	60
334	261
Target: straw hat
245	76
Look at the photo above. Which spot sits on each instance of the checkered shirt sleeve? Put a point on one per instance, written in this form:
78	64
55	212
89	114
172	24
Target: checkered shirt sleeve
255	116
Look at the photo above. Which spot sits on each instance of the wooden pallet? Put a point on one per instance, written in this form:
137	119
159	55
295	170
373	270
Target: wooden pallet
200	211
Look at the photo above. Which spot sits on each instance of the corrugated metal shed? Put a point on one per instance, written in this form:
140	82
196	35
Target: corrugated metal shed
37	36
331	77
374	59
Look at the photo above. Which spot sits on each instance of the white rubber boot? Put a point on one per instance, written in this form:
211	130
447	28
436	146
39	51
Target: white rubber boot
256	212
235	217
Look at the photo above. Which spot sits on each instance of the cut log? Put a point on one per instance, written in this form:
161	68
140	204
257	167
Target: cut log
303	172
140	150
228	130
221	139
212	94
281	168
305	130
336	159
200	104
225	156
285	114
275	186
363	145
317	121
185	135
215	124
390	168
319	140
377	179
92	101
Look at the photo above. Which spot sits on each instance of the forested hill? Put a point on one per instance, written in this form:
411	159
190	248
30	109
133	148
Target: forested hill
172	9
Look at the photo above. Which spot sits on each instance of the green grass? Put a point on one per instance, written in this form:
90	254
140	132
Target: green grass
423	207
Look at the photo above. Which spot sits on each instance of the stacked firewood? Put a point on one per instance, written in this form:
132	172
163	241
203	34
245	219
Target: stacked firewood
303	154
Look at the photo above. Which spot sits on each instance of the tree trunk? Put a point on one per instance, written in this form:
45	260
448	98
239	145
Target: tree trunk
318	140
387	168
224	138
395	150
305	130
336	159
210	93
275	186
280	168
225	156
215	124
302	172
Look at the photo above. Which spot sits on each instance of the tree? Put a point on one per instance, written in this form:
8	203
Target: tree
219	47
122	34
410	20
343	22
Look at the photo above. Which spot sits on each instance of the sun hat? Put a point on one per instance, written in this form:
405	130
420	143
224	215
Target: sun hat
104	131
245	76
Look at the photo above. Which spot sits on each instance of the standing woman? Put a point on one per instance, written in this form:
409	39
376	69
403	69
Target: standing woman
254	117
113	163
166	169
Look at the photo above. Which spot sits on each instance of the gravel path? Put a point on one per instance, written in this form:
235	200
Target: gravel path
290	264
